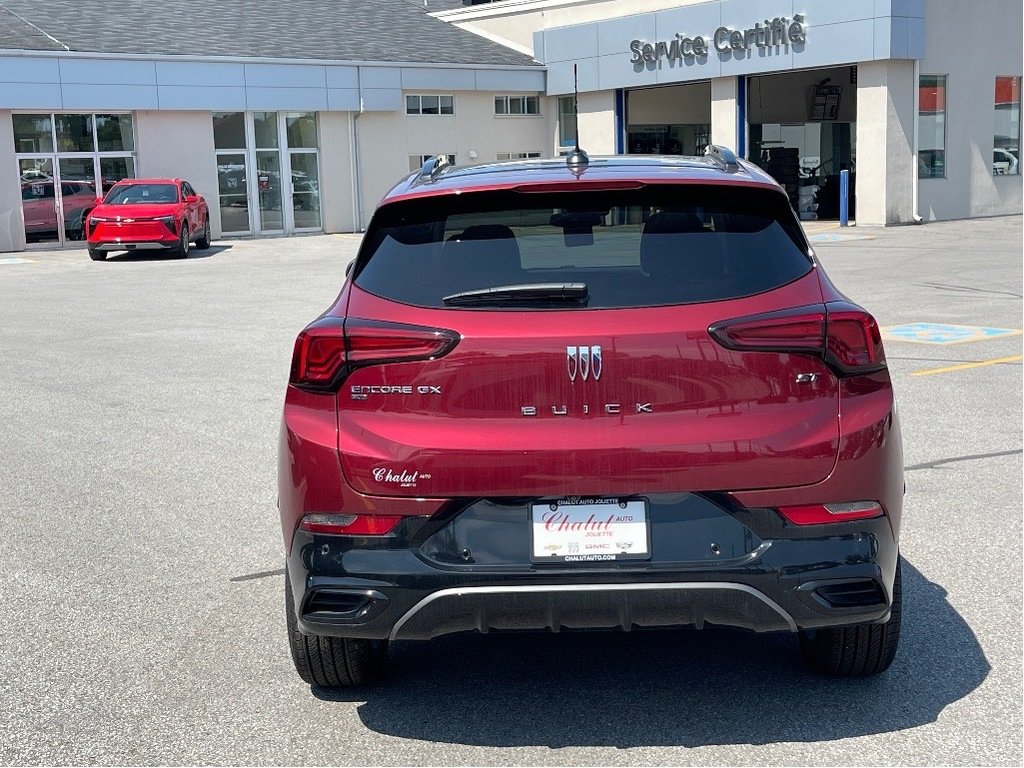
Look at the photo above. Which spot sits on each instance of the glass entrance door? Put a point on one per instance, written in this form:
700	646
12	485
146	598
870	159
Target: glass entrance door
234	193
268	166
268	187
305	197
76	195
39	199
56	195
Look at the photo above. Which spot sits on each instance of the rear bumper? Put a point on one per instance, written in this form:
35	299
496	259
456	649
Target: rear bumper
817	580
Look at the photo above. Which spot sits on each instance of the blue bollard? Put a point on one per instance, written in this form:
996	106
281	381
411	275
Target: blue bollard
844	198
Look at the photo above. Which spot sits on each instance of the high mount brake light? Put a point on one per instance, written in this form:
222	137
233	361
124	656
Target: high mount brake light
821	514
349	525
845	336
331	347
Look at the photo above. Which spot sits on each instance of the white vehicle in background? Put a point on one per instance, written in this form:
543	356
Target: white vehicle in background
1003	162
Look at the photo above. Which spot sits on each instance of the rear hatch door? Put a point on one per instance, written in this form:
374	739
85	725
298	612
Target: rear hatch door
620	392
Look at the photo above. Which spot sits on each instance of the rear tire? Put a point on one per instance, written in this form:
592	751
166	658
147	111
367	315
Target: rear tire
332	662
858	651
203	241
97	255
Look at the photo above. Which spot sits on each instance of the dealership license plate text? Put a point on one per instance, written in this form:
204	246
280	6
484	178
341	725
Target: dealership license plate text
582	530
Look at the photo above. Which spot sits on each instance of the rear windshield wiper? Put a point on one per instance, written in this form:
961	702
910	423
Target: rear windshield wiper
524	293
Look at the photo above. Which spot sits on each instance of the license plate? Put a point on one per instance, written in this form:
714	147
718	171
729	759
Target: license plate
589	530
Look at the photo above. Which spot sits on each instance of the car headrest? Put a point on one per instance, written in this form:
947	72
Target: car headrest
485	250
673	222
676	245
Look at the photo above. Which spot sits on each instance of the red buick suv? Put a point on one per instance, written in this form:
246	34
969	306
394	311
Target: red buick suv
616	392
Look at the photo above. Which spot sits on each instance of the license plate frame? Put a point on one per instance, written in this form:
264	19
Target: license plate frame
578	530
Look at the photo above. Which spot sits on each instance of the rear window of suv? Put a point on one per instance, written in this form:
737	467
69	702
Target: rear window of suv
658	245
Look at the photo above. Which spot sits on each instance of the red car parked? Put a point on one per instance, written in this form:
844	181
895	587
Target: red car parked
40	211
148	214
607	393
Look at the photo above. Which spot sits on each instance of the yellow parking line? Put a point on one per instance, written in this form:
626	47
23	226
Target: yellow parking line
962	366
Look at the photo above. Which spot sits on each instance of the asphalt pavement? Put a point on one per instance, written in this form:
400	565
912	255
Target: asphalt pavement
141	597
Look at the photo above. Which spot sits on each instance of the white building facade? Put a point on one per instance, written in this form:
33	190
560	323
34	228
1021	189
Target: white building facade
918	100
275	148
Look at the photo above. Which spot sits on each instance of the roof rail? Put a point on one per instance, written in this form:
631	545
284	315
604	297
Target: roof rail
432	168
723	157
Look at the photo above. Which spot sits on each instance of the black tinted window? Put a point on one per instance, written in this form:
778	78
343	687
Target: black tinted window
660	245
125	194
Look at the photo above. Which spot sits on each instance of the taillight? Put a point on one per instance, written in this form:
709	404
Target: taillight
854	339
843	335
349	525
818	514
372	342
800	329
329	348
319	354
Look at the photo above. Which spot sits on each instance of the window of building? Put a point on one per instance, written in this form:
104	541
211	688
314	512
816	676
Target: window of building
229	130
301	129
1006	136
433	104
230	143
33	133
257	153
265	130
517	155
114	133
931	133
75	133
516	105
71	159
416	161
566	122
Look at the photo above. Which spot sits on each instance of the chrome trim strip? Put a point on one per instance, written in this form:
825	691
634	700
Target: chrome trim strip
130	246
633	587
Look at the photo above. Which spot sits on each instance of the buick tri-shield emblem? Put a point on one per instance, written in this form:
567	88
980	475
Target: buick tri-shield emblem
584	362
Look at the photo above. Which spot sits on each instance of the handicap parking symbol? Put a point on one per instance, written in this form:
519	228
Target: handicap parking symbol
942	333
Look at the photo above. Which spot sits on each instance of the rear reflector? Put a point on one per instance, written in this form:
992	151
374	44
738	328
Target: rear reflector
845	336
329	348
349	525
820	514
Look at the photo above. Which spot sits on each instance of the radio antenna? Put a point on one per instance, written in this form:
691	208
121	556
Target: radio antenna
577	159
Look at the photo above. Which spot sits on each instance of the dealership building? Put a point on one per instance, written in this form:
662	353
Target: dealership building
295	116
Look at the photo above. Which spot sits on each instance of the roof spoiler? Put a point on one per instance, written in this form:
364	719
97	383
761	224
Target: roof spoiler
721	156
432	168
